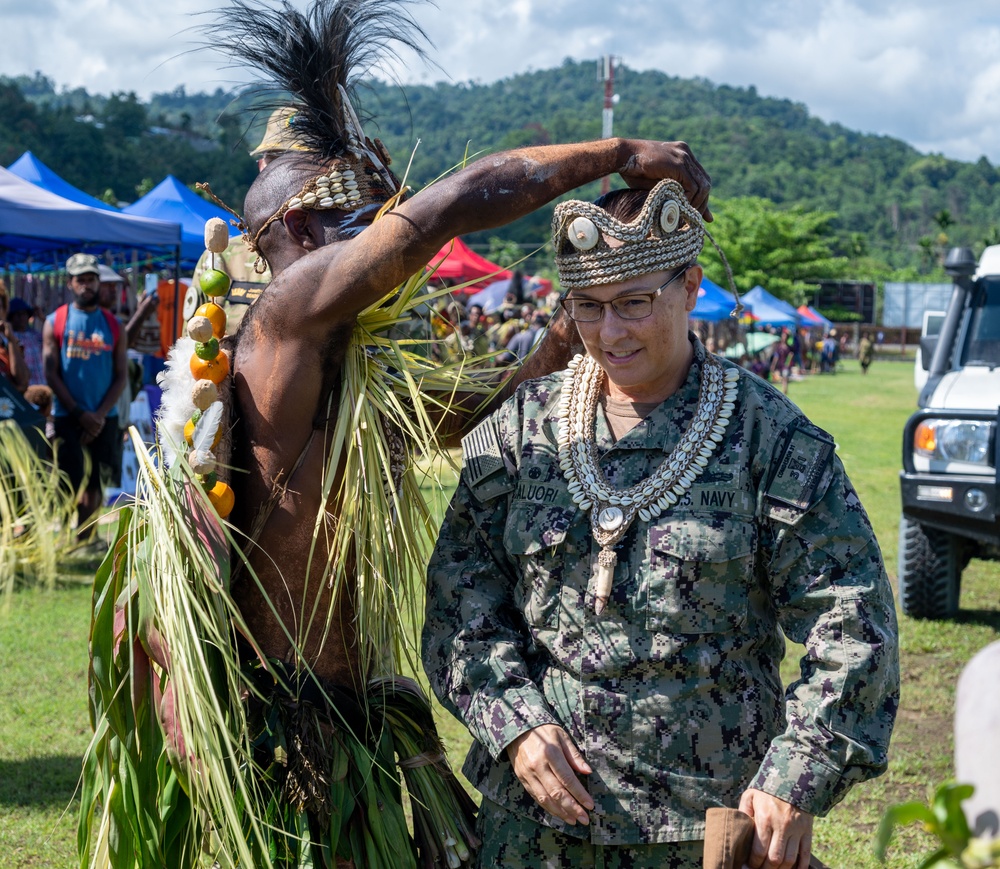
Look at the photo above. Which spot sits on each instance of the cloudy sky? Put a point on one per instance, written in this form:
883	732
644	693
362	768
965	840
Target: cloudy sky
926	72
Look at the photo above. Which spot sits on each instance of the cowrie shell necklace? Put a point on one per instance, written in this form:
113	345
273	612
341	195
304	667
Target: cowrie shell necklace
613	510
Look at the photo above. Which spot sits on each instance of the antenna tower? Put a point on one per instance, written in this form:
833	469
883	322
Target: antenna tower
606	73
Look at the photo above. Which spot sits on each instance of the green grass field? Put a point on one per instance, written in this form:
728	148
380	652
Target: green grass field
44	726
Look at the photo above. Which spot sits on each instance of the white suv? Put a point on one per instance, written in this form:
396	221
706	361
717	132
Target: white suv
949	477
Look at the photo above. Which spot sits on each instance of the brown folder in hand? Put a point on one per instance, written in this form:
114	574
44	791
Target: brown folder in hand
728	839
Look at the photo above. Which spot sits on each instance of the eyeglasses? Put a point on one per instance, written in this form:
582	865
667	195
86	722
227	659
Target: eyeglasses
634	306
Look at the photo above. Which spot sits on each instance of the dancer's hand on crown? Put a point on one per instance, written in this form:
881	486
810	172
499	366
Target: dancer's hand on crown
651	162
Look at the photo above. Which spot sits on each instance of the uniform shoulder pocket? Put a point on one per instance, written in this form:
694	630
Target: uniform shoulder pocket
802	475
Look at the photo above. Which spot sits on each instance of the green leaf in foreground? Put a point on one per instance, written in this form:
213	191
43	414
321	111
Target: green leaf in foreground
944	818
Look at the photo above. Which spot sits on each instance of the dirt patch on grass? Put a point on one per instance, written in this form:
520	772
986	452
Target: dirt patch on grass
922	748
916	730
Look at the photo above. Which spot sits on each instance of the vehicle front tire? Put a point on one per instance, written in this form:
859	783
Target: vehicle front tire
930	571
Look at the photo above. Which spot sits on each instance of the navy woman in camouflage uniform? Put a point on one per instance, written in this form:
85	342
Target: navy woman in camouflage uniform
628	542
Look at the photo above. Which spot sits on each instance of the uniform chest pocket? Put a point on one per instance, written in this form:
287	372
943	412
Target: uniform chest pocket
700	574
535	538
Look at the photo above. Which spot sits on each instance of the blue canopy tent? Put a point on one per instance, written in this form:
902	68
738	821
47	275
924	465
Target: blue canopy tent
714	303
171	200
34	221
30	168
39	229
768	310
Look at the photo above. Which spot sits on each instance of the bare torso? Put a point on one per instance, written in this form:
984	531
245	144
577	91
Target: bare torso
283	388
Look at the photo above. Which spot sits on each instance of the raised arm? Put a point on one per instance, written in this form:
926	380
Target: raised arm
493	191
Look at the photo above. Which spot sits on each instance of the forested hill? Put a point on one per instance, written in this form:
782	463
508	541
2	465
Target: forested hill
886	196
878	186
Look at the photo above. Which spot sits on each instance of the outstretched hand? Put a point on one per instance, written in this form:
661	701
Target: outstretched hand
782	837
651	162
546	761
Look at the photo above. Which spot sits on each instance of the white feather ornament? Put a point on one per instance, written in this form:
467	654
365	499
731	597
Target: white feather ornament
176	407
203	437
201	462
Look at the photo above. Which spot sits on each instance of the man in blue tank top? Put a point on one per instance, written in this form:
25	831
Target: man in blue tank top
86	365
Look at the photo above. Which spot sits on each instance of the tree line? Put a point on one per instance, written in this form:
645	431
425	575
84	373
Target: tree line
797	199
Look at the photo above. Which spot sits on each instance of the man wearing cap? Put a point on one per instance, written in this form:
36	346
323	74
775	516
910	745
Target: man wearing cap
85	365
629	542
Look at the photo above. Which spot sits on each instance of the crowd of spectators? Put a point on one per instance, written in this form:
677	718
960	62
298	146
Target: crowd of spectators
783	354
508	334
450	333
51	360
505	335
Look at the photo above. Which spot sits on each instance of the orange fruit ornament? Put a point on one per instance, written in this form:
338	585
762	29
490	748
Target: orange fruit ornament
215	315
222	498
216	369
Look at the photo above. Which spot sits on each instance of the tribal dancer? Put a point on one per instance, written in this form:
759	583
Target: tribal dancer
251	716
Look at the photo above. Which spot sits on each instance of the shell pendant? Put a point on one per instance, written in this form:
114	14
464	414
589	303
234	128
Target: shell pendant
604	575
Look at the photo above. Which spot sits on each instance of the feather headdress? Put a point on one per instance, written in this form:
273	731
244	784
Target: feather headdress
313	62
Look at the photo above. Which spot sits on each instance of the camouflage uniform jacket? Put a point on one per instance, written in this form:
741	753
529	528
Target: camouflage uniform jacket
673	693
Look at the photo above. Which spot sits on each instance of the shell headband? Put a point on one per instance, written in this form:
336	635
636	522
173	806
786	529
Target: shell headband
667	232
347	183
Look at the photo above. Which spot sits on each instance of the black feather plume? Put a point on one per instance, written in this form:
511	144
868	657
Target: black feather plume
307	57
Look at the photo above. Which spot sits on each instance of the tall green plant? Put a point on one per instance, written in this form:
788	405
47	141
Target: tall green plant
36	511
783	250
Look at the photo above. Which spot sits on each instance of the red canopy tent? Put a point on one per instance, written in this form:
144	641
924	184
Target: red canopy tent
813	318
456	262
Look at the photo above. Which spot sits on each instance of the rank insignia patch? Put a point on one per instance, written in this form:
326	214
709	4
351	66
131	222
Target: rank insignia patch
801	469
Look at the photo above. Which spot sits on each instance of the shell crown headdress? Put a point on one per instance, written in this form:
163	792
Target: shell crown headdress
592	247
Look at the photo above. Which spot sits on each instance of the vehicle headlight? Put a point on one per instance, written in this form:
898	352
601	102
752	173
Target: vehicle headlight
954	440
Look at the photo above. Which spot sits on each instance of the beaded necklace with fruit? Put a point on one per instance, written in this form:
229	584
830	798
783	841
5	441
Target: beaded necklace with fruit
209	367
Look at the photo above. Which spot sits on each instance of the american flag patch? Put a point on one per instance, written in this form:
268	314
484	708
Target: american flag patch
481	451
